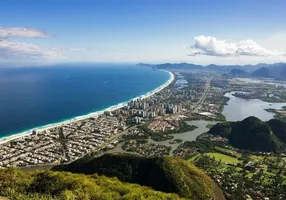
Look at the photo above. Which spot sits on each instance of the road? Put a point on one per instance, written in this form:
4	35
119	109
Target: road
110	140
202	99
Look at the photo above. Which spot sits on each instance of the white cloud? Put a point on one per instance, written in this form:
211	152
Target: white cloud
22	32
210	46
15	51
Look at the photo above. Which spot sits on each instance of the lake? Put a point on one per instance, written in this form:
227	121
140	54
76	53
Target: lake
238	108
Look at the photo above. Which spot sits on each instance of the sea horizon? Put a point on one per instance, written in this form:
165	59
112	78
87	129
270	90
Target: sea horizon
94	112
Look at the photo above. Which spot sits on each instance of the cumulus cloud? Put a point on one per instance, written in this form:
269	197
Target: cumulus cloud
207	45
22	32
14	50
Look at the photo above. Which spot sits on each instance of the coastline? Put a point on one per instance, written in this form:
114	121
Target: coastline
92	114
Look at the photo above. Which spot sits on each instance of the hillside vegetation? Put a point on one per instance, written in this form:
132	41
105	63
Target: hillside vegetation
253	134
279	128
166	174
47	185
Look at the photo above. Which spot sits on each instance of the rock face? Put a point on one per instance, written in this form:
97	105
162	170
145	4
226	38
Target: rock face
253	134
166	174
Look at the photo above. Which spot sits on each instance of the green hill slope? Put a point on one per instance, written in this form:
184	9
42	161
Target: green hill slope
253	134
50	185
166	174
279	129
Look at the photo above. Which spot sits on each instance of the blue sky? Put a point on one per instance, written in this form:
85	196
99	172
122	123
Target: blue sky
198	31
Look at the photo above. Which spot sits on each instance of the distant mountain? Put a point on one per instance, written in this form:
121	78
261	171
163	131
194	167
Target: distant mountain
180	66
166	174
277	71
261	70
218	68
193	67
253	134
222	68
263	73
238	73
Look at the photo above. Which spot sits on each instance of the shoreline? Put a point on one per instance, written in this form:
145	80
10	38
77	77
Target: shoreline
6	139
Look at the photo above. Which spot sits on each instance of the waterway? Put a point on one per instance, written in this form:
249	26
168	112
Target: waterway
187	136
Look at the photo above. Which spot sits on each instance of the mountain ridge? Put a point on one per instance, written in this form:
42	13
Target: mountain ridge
260	70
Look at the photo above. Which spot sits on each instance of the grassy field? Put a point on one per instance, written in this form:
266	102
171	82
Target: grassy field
230	152
224	158
193	158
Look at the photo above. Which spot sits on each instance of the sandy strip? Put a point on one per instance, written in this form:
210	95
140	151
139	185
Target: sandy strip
94	114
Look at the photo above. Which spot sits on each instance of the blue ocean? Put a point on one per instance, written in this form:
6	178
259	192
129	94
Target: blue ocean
32	97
